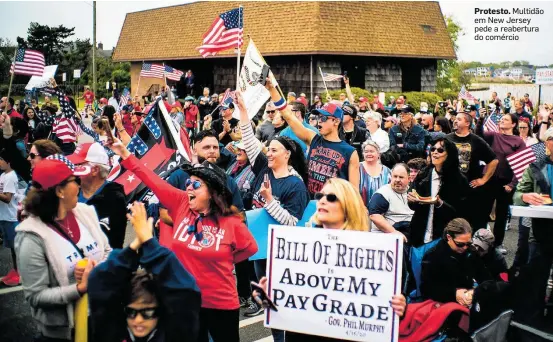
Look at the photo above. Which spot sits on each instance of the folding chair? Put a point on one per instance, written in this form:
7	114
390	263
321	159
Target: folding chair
496	330
415	257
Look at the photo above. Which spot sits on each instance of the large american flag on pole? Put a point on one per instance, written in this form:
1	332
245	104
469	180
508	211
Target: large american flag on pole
152	70
28	62
331	77
464	94
521	160
156	144
172	73
225	33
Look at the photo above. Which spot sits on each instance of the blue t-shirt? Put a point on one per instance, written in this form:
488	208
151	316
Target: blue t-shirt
327	159
179	177
287	132
289	191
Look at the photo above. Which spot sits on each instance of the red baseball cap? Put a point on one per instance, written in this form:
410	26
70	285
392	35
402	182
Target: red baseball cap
89	152
362	99
302	100
330	109
103	100
55	169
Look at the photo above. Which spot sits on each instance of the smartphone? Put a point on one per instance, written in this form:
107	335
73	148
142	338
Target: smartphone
106	126
263	295
443	104
264	74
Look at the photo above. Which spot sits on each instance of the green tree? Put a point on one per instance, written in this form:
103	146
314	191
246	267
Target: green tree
449	71
76	56
7	49
49	40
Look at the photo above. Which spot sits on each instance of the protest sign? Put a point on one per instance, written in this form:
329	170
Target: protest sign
254	93
259	221
44	80
334	283
544	76
49	71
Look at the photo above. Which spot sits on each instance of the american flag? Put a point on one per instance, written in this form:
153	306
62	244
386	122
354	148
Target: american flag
492	123
331	77
28	62
227	98
152	70
520	161
156	147
464	94
226	32
124	97
173	74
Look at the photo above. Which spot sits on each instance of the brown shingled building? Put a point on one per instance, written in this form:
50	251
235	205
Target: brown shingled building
383	46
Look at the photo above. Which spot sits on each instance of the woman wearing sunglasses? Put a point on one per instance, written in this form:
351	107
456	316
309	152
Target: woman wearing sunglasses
58	233
339	206
446	185
209	237
160	302
448	270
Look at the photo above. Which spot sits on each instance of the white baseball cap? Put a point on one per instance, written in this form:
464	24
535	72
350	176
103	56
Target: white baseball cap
89	152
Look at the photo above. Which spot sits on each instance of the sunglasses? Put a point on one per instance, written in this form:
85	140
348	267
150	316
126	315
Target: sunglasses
270	111
295	110
329	197
67	181
312	118
33	155
147	313
523	128
462	244
439	149
323	118
195	184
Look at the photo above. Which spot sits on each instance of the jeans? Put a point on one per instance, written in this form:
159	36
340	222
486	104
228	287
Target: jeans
260	271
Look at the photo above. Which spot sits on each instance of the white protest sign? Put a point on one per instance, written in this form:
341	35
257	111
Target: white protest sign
107	85
334	283
255	94
382	98
64	77
49	71
544	76
37	82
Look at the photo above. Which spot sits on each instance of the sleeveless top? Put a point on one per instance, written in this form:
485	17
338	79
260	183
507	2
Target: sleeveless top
368	184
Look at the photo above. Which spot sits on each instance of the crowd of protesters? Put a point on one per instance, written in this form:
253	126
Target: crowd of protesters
436	179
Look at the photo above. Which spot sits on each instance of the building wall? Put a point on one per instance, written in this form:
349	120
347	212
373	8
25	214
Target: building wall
383	77
428	77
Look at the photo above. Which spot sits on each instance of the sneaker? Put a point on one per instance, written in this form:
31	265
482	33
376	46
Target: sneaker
253	309
12	278
243	302
501	249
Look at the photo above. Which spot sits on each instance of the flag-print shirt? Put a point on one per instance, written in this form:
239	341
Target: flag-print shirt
64	125
225	241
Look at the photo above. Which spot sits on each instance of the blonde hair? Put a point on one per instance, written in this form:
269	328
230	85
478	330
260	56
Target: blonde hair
349	198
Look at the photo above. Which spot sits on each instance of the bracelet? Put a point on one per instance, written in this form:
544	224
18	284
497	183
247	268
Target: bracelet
280	104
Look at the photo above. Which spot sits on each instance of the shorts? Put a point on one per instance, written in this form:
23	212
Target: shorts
8	232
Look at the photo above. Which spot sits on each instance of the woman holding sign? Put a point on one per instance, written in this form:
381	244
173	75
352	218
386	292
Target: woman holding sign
339	206
209	237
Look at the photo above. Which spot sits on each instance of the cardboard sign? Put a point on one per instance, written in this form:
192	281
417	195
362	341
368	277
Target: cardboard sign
334	283
544	76
37	82
255	94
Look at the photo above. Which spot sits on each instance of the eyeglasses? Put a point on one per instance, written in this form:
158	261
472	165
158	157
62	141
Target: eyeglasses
270	111
462	244
33	155
195	184
523	128
147	313
439	149
329	197
295	110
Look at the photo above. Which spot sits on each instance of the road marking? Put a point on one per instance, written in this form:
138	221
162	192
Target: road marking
11	289
266	339
253	320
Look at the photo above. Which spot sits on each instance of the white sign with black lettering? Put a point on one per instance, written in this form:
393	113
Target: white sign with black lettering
334	283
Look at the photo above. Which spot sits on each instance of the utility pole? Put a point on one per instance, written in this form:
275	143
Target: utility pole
94	47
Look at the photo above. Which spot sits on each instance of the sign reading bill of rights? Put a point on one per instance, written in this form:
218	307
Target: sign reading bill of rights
334	283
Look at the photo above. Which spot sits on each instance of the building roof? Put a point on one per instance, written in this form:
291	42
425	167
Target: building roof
400	29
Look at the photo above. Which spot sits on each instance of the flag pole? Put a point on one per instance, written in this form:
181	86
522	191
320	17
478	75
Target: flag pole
11	79
324	82
240	21
164	77
139	77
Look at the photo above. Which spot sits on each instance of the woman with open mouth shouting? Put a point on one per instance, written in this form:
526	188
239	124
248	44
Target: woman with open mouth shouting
209	238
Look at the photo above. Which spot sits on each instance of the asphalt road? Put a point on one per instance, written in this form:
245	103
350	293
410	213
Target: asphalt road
16	323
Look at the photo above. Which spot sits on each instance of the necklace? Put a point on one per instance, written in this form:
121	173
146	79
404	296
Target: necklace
64	224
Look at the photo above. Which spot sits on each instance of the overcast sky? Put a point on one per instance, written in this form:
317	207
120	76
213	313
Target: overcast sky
533	47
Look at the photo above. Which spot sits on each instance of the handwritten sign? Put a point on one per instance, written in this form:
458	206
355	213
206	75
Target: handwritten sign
334	283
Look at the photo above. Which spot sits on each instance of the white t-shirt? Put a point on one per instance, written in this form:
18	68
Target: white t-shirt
434	189
71	256
9	184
